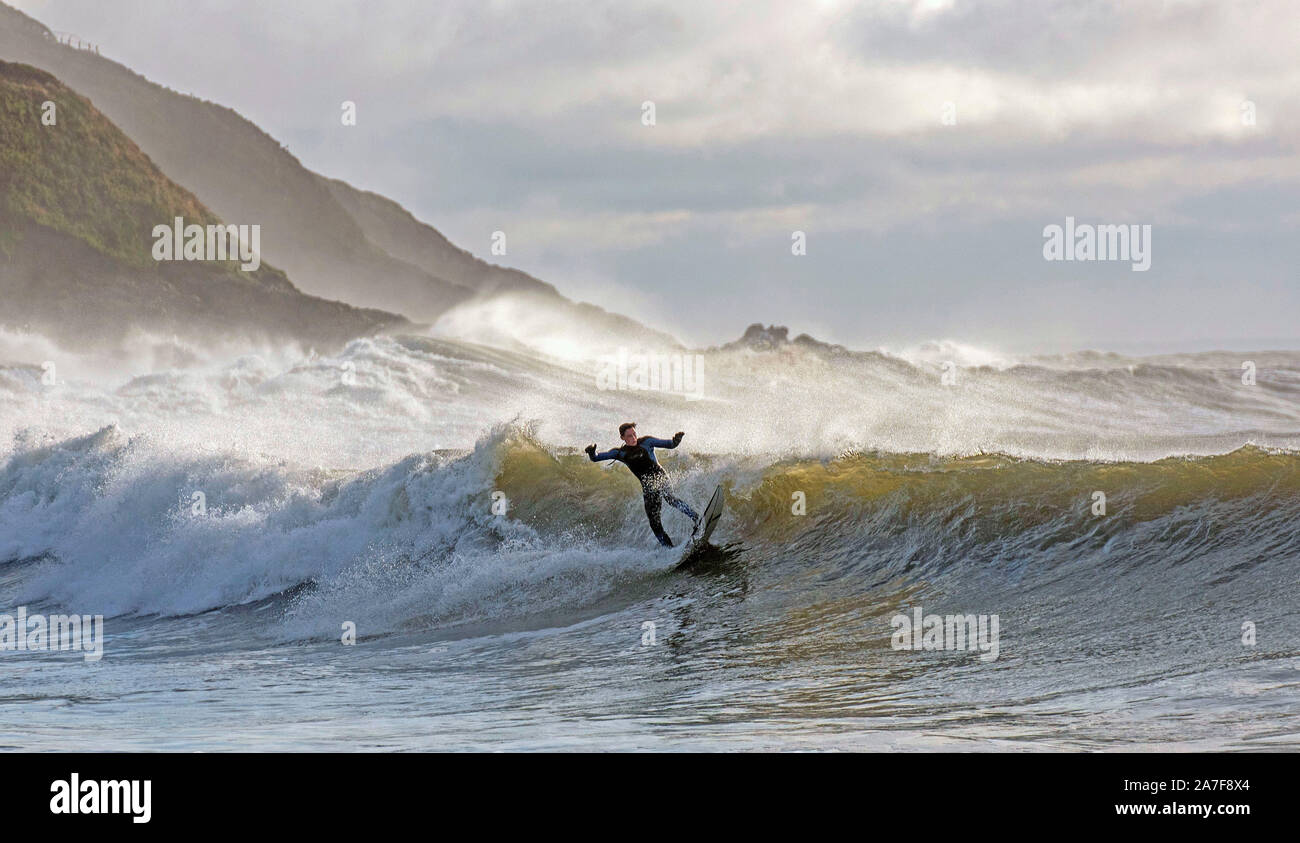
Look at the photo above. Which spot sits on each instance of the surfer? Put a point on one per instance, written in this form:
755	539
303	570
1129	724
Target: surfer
638	454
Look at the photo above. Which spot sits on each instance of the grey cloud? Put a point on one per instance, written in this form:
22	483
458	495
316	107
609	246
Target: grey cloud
913	234
1047	39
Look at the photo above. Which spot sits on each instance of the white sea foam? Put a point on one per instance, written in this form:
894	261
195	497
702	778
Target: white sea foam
368	471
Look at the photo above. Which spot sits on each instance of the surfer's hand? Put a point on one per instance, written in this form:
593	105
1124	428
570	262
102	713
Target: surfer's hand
677	437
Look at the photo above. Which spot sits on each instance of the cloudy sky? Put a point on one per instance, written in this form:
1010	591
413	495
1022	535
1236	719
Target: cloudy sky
823	117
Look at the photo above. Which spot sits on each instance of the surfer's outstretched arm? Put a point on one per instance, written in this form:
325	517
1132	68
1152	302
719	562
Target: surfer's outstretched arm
603	455
663	443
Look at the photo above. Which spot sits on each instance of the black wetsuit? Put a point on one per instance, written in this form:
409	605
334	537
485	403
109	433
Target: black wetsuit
640	458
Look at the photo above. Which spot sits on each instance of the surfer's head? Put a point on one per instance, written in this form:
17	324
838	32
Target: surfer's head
627	432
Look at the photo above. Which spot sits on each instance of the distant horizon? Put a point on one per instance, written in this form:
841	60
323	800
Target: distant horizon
1128	348
918	230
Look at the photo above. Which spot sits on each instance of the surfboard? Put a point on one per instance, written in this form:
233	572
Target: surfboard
708	521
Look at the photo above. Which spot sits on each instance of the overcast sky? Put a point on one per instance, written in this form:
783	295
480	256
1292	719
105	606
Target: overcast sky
825	117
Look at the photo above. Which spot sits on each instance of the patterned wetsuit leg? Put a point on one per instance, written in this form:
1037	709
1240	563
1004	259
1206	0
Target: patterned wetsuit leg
679	504
653	506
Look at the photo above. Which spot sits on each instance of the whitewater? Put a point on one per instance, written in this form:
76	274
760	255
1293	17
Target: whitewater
229	509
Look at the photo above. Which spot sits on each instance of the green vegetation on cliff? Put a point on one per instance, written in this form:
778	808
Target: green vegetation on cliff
81	176
78	205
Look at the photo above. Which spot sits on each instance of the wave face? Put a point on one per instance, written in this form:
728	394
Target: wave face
249	506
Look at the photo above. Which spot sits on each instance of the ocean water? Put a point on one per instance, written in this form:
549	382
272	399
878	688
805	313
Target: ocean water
229	510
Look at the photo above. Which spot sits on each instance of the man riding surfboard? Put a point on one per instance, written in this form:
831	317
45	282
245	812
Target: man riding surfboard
638	454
